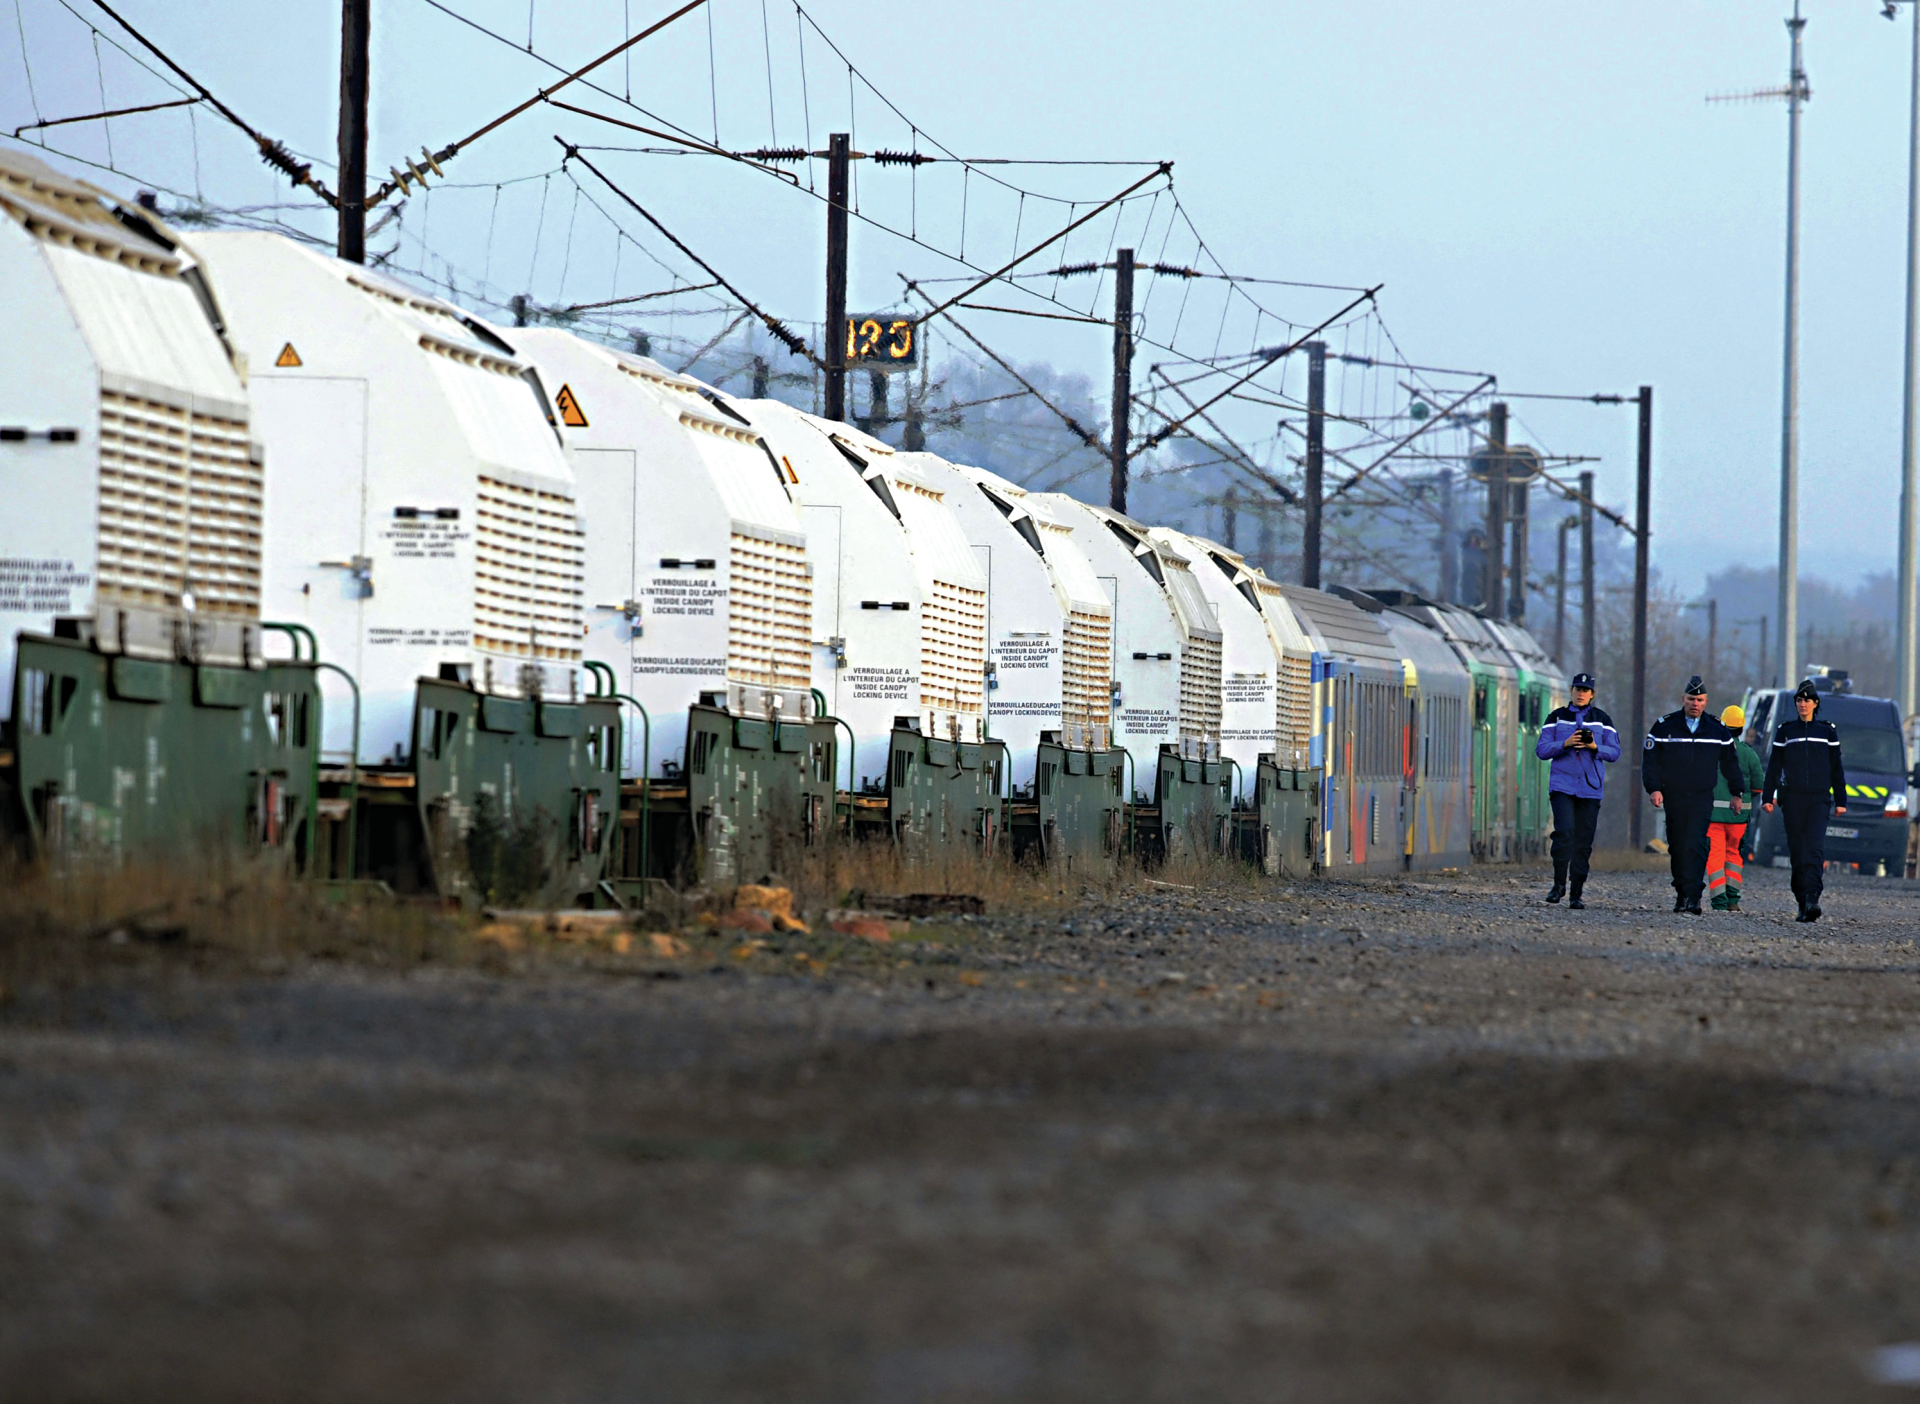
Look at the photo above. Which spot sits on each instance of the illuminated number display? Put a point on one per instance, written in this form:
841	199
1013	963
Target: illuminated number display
882	342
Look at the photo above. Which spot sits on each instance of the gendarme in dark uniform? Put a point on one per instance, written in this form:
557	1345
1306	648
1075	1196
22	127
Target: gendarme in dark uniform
1805	774
1683	758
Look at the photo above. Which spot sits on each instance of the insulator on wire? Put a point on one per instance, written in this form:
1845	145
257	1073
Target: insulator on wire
1175	270
277	156
1074	269
776	153
900	158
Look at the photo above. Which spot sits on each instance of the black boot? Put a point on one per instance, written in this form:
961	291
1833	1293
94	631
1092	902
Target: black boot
1692	908
1813	911
1559	888
1679	903
1574	904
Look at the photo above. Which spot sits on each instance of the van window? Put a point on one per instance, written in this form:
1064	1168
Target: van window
1873	749
1870	738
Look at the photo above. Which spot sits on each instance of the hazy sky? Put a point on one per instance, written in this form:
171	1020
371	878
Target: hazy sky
1541	188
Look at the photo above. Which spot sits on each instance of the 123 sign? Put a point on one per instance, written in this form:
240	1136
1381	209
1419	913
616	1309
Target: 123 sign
882	343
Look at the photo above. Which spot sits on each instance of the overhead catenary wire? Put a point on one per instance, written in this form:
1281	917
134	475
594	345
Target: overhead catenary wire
271	151
774	326
449	151
102	116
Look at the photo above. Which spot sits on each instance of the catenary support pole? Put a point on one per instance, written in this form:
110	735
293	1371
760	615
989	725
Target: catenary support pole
1586	572
1519	496
1713	639
1560	592
1905	688
1117	435
1494	593
1316	462
1642	535
1789	565
839	165
1449	542
356	28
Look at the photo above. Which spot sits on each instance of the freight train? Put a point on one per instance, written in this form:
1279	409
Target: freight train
299	559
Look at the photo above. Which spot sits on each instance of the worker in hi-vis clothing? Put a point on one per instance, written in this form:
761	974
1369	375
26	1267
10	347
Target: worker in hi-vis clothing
1728	831
1686	753
1803	773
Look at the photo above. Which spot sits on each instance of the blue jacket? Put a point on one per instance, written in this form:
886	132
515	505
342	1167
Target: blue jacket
1581	773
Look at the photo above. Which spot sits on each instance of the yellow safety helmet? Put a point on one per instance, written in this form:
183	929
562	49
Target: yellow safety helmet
1734	718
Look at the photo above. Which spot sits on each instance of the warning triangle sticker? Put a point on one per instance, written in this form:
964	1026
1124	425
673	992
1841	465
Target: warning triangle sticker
570	409
288	356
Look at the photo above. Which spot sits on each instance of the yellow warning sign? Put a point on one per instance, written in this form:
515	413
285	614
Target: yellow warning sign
288	356
570	409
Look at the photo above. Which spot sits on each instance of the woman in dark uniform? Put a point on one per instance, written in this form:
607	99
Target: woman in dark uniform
1805	775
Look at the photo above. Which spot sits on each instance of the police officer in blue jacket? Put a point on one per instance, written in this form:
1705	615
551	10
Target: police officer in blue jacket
1581	742
1804	772
1686	751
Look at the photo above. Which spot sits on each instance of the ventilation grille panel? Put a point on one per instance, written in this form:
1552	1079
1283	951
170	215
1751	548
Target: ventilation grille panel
1088	669
527	573
769	614
180	509
1200	687
953	649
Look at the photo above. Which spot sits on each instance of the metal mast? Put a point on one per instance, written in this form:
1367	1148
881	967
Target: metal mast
1909	585
1789	591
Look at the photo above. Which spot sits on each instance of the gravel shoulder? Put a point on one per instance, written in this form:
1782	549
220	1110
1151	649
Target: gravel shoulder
1421	1139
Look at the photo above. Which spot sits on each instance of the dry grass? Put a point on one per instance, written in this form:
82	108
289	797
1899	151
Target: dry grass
844	874
61	927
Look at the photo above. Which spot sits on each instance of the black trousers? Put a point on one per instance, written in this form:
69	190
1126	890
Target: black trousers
1688	815
1806	823
1574	820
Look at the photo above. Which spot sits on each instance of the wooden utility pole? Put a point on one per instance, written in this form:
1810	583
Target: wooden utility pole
1642	537
1122	379
1316	462
356	28
839	164
1587	648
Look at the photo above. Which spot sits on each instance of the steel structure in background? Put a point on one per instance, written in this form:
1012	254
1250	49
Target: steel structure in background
356	28
1316	462
839	157
1560	589
1493	592
1117	435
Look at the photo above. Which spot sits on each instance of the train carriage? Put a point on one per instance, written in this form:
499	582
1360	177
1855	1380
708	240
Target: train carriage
1438	787
420	524
900	631
1539	687
137	713
1360	686
1166	663
1050	668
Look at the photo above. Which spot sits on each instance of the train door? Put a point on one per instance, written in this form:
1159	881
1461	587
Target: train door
317	564
1409	777
1485	791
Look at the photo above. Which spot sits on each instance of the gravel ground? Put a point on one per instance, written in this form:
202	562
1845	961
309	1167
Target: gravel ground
1424	1140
